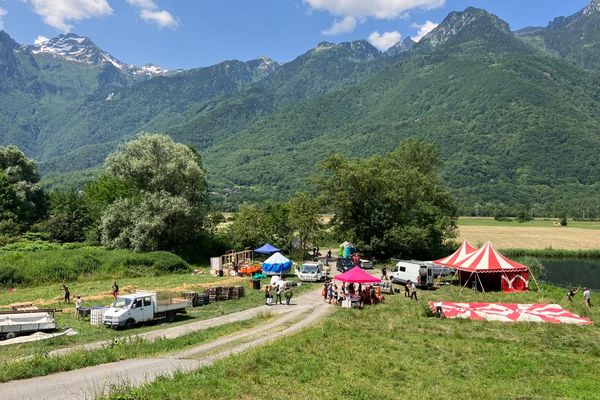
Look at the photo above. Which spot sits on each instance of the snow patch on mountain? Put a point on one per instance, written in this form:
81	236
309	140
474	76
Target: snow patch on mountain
80	49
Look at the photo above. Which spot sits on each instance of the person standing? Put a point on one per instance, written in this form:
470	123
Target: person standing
571	293
384	273
324	292
287	293
67	293
267	295
115	289
413	291
278	292
407	288
587	297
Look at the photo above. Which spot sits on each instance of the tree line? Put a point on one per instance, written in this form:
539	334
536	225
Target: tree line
153	195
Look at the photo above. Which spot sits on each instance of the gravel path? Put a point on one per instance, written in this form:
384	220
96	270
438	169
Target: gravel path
88	383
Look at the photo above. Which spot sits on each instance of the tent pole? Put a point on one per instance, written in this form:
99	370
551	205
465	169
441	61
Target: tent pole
480	283
535	280
466	282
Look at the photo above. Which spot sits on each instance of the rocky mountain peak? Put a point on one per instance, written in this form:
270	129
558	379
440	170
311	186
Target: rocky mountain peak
592	8
473	19
401	47
81	49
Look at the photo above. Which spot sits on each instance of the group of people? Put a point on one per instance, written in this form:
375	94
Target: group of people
79	300
276	290
587	297
333	294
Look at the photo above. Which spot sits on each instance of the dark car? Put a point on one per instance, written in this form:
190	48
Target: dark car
344	264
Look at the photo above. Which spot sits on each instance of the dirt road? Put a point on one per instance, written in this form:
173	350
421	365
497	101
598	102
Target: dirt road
91	382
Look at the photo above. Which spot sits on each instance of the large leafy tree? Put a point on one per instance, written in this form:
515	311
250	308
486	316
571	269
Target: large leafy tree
168	201
391	205
22	199
257	224
70	216
305	220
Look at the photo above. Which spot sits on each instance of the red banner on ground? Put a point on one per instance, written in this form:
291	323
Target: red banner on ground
503	312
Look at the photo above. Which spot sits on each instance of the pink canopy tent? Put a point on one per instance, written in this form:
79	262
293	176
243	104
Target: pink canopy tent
487	260
464	251
357	275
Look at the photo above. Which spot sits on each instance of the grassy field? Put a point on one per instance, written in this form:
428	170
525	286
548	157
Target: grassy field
395	351
122	349
98	293
537	234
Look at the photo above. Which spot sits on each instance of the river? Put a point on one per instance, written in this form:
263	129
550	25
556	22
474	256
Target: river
573	272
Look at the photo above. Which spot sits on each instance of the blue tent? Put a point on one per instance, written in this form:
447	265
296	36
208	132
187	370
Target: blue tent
267	249
276	264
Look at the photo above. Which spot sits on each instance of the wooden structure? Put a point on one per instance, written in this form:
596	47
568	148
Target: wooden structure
232	260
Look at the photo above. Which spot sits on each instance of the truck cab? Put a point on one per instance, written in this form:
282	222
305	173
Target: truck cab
131	309
311	272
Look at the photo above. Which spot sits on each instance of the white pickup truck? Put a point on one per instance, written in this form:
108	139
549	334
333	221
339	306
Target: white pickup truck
312	272
129	310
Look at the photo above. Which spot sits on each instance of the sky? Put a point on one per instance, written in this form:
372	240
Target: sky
195	33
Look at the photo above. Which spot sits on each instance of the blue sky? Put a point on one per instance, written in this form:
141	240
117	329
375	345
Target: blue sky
193	33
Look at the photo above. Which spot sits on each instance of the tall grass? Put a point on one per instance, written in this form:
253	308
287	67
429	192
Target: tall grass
29	263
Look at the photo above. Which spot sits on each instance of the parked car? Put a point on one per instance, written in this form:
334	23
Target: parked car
344	264
311	272
129	310
366	264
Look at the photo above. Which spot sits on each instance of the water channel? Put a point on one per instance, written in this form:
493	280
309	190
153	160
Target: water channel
573	272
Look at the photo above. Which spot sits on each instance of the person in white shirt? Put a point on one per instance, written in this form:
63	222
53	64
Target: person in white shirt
587	297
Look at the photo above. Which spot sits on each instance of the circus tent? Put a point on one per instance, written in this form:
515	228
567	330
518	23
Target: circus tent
464	251
493	270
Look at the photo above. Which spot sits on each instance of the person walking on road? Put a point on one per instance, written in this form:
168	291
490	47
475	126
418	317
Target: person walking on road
587	297
67	293
287	293
115	290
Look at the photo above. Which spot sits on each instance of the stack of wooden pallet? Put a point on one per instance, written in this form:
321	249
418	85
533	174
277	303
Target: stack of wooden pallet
238	292
196	299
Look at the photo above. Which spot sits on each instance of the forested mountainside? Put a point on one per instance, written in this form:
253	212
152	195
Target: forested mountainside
514	113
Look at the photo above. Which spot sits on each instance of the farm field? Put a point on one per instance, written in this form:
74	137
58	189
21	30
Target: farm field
410	355
537	234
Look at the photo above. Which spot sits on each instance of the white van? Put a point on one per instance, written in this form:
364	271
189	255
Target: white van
421	273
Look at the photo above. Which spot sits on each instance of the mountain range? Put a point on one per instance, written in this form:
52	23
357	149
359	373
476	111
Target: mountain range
514	113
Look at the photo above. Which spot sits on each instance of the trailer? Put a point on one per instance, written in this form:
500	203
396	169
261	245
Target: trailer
15	323
132	309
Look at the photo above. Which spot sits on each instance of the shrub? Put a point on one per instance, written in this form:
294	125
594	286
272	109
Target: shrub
11	276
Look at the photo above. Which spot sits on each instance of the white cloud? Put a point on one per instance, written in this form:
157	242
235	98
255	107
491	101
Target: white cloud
424	29
163	19
345	25
143	4
58	13
385	40
150	12
380	9
40	40
3	13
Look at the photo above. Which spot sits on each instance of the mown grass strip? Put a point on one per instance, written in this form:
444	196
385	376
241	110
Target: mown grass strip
120	349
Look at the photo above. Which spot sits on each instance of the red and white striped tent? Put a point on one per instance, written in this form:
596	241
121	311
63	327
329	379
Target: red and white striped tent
494	267
464	251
